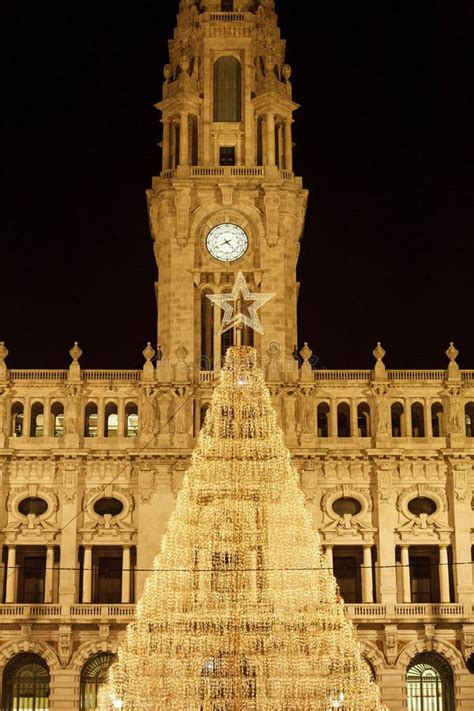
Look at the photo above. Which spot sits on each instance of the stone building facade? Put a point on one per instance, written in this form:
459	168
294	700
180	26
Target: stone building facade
91	460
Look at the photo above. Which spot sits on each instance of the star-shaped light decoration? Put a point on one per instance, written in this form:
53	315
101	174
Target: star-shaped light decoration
239	301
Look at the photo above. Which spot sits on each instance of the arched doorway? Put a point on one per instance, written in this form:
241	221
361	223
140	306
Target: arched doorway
430	684
93	675
26	683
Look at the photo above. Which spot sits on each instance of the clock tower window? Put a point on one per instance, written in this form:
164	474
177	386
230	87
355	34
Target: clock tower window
227	6
227	90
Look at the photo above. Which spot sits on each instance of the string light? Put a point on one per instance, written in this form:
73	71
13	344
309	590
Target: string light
259	625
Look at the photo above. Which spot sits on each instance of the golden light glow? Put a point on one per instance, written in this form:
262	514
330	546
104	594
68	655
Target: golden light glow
241	612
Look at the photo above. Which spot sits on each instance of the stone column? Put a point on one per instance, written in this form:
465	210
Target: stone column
367	578
27	417
444	574
184	138
328	552
407	418
126	574
288	146
87	575
333	418
166	146
47	418
354	422
405	561
49	574
100	417
270	139
11	575
121	424
427	413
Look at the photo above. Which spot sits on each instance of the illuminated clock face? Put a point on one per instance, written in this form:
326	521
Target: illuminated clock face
227	242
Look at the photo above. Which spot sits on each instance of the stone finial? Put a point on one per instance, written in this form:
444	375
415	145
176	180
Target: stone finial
75	368
167	72
454	372
75	352
148	352
378	352
148	369
379	367
452	352
306	369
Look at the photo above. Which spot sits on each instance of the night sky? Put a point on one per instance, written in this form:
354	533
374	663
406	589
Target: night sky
384	142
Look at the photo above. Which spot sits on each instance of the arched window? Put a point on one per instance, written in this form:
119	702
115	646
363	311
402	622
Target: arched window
26	684
207	331
37	420
469	416
363	420
343	420
417	420
90	420
131	419
57	411
227	90
111	420
430	683
437	419
93	676
17	419
397	414
323	419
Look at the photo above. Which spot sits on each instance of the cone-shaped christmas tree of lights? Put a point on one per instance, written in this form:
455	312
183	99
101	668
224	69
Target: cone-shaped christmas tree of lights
241	612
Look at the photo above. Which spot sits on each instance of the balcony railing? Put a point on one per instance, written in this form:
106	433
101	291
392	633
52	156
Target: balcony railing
123	613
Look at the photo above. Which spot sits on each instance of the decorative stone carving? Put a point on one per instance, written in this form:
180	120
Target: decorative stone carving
390	644
146	482
308	478
70	480
467	641
64	644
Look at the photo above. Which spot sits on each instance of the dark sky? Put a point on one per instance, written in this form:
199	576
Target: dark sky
384	143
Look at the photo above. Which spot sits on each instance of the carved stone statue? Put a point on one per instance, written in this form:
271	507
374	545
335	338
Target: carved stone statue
71	410
306	413
456	419
147	412
180	418
382	410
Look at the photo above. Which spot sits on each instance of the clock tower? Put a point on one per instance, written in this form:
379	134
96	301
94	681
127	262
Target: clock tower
226	199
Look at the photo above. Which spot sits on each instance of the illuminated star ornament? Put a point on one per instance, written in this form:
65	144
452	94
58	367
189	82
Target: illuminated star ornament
240	306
